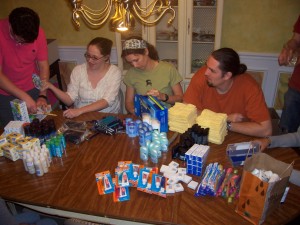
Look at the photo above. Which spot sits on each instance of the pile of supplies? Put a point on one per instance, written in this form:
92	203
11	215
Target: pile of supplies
194	135
182	116
218	181
217	124
150	180
152	141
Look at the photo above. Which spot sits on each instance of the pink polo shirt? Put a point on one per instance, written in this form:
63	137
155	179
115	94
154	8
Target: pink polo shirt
19	61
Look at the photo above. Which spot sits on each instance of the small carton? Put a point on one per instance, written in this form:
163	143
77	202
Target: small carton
13	137
24	143
238	152
2	142
14	127
9	151
19	110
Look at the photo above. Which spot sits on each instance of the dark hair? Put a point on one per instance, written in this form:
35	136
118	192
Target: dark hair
153	54
229	61
25	23
103	44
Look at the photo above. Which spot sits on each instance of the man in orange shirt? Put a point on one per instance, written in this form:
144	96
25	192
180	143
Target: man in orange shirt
223	86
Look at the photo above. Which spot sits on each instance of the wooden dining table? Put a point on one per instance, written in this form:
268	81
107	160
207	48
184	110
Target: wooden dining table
69	188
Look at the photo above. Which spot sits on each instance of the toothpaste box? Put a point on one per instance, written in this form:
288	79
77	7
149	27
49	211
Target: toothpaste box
151	105
2	142
14	127
19	110
13	137
9	151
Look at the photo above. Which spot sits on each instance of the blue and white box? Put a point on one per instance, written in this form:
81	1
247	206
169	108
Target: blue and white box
156	109
19	110
195	158
238	152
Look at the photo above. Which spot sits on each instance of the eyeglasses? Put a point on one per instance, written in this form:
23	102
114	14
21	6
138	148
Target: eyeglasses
92	57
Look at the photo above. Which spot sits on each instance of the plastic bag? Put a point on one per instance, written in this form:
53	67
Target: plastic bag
74	131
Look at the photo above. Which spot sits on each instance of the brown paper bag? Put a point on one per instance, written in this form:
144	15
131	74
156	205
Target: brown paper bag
257	198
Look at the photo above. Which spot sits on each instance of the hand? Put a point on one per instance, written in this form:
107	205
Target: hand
46	85
236	117
156	93
285	57
263	143
31	105
42	103
71	113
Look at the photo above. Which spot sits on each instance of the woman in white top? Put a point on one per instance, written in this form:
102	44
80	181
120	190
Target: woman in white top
94	85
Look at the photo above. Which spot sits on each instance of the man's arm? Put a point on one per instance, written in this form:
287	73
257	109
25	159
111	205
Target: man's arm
285	140
44	75
293	45
255	129
12	89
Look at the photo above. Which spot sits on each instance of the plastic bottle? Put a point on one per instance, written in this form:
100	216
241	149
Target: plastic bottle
45	155
47	152
24	160
63	141
58	148
43	163
29	164
38	167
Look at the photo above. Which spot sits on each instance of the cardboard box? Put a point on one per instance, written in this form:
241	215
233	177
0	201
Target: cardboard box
2	142
9	151
151	105
19	110
14	127
238	152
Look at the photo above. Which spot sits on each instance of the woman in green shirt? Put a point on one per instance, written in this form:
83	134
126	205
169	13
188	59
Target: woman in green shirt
148	75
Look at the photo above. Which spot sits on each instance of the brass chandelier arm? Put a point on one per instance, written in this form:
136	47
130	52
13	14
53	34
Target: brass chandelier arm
96	19
161	14
125	11
98	11
92	17
148	11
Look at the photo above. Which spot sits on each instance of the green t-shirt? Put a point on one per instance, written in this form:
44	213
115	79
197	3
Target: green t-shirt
163	77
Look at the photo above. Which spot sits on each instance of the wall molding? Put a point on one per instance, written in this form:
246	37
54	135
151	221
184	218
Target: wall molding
268	64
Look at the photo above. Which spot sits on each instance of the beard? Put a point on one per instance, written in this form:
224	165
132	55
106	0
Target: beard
209	84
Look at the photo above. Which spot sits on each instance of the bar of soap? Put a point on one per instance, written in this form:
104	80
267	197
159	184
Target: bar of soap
193	185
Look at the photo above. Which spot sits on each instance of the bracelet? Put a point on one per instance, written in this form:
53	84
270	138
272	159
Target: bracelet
167	98
43	96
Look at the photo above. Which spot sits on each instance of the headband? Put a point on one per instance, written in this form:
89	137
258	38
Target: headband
134	44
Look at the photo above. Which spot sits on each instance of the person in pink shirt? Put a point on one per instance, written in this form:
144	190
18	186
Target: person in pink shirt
23	52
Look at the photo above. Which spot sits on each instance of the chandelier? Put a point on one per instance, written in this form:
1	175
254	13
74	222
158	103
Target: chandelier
125	12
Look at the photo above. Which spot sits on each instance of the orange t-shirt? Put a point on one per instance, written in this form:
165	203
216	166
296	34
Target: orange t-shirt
245	97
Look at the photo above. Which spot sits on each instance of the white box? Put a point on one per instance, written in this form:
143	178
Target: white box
19	110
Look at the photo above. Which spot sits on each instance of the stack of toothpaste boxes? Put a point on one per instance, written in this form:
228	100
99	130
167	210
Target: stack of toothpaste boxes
195	159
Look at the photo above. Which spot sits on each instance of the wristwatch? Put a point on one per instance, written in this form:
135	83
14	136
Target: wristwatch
167	98
228	125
